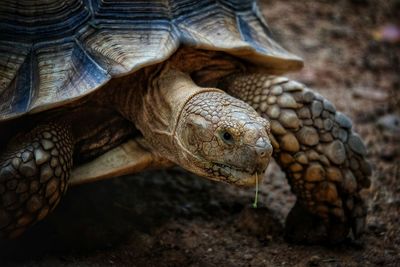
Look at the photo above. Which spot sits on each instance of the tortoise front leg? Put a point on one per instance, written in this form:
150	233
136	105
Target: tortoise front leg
322	157
34	169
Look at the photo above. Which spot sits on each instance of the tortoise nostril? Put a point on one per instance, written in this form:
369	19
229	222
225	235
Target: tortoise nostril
263	147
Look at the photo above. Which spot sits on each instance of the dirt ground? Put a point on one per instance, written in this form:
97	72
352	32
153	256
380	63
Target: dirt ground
172	218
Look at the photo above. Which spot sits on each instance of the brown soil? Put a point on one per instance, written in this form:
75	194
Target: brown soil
172	218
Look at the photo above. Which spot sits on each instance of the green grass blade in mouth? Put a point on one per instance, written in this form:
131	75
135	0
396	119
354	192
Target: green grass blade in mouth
256	196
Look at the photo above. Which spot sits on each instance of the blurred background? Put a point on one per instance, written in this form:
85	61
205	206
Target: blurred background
351	50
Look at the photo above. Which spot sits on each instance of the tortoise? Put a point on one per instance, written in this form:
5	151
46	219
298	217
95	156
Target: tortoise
93	89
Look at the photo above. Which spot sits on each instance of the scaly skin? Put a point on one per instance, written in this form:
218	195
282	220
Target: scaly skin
34	172
203	130
185	124
322	157
228	139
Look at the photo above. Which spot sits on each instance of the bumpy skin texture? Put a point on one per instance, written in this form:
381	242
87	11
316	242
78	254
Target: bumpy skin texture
227	138
34	171
324	160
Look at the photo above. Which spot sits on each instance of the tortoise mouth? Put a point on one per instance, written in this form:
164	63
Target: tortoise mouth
234	175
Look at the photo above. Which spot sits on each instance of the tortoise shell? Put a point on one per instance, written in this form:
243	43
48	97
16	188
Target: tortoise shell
53	52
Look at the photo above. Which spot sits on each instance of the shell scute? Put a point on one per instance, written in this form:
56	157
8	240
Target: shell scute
53	52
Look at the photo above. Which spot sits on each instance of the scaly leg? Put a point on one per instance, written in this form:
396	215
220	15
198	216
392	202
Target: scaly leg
34	170
322	157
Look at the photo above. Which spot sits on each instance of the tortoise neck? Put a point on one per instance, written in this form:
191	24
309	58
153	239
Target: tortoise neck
157	106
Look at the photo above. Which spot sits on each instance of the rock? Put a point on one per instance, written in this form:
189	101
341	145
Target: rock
308	136
290	143
314	173
343	120
289	119
287	101
336	152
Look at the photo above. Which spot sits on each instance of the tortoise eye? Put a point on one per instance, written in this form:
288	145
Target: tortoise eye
227	137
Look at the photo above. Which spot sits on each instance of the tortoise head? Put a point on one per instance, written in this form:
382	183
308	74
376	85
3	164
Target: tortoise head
223	139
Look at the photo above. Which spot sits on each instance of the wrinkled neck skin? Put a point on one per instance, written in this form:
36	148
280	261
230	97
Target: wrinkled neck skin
158	109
